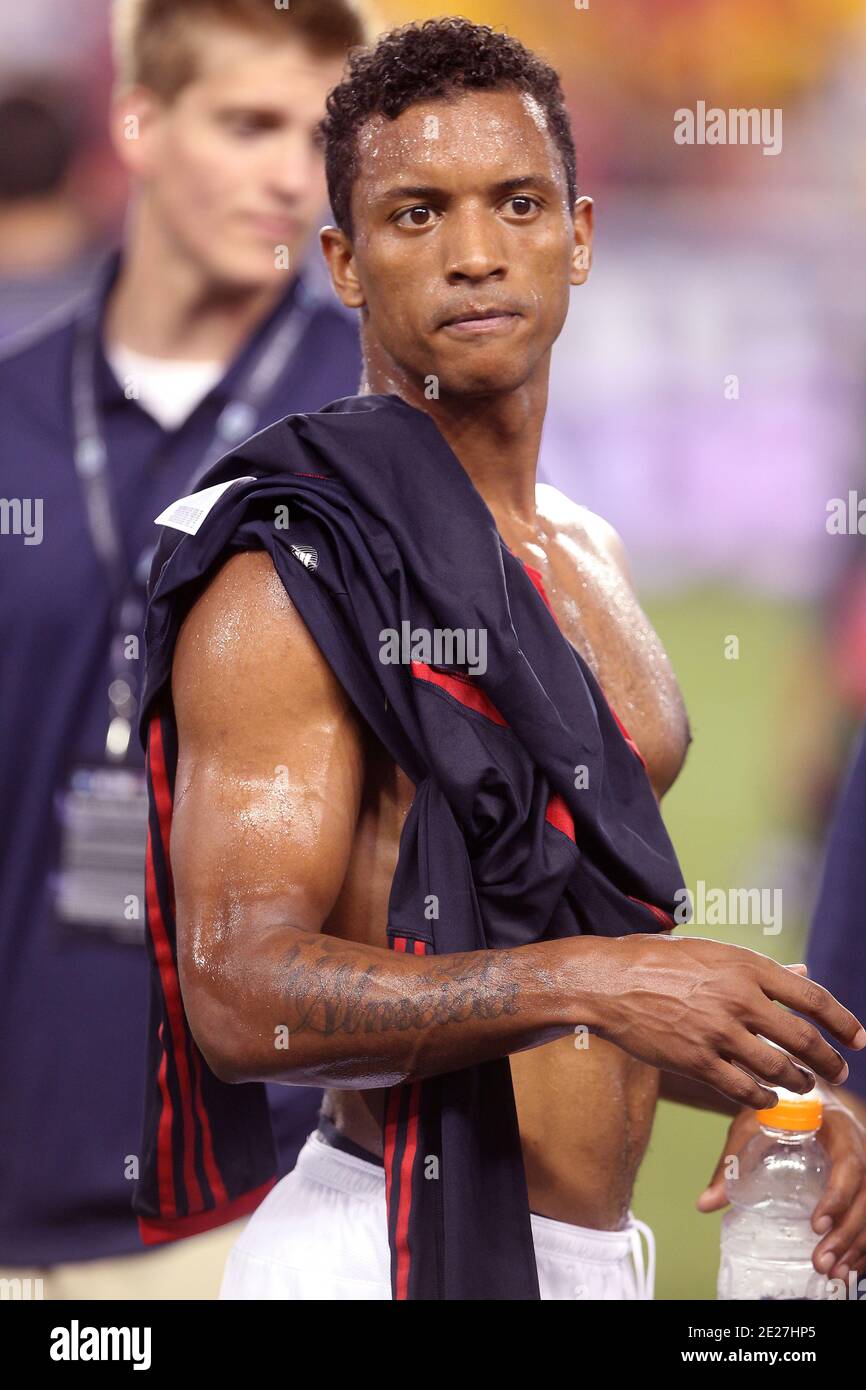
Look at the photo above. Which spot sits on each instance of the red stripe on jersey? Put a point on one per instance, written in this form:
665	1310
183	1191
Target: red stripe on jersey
164	1165
169	980
156	1232
402	1250
659	913
535	576
392	1111
559	815
462	689
404	1254
162	795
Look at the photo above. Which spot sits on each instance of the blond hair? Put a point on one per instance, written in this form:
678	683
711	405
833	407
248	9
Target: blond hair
154	40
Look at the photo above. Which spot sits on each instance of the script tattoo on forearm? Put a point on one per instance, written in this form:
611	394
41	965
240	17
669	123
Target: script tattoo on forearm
329	993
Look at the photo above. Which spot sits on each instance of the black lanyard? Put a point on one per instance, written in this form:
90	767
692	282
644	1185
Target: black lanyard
238	419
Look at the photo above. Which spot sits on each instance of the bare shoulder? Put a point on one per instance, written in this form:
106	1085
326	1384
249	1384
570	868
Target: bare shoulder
245	654
583	526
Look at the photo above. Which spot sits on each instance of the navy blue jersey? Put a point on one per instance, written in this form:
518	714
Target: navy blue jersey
385	527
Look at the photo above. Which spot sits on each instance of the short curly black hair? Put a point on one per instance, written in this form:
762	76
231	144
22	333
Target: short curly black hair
419	61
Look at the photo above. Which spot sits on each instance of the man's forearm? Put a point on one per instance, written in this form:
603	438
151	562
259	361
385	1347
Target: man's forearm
313	1009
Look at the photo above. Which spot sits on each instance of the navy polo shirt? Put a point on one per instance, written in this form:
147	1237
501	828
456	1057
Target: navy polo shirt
73	1008
837	942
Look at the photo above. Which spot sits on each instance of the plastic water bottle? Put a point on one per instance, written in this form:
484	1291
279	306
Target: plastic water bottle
767	1236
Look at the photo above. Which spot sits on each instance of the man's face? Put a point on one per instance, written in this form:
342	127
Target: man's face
461	207
229	168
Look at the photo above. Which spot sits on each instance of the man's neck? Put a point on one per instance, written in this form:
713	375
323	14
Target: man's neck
165	305
496	438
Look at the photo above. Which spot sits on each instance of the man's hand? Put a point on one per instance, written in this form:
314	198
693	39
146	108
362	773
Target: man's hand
840	1216
708	1010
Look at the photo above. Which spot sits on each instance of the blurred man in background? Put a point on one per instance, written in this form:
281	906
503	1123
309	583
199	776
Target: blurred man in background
207	326
47	252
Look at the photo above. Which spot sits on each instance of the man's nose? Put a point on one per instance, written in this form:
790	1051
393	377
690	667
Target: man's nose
295	169
474	246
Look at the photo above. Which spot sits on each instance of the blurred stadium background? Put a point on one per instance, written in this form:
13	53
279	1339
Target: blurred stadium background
712	263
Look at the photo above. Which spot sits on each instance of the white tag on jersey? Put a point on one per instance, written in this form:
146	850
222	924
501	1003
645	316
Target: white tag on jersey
188	513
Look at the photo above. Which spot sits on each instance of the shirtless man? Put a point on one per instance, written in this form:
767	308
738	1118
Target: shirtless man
282	884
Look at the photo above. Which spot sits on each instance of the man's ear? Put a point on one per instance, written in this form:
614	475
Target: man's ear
583	229
337	251
134	118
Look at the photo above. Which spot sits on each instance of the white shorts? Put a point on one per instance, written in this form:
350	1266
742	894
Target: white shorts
321	1233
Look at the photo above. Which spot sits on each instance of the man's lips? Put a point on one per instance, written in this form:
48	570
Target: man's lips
274	226
483	321
479	311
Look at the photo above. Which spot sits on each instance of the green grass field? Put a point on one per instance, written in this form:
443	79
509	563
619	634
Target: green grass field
733	795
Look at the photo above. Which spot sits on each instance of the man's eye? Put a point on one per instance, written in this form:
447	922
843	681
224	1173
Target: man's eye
530	203
246	126
410	212
525	206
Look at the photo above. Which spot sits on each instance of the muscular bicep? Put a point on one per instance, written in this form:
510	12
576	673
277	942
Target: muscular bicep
270	768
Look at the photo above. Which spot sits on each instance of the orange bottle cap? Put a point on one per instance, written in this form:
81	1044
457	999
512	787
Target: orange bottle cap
794	1112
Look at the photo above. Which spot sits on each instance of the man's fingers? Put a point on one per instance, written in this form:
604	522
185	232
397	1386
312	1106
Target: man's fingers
855	1259
802	1040
808	997
846	1177
737	1085
828	1255
714	1196
768	1064
843	1203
